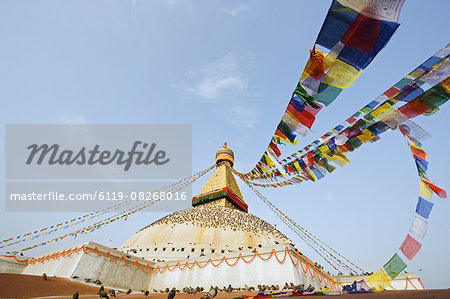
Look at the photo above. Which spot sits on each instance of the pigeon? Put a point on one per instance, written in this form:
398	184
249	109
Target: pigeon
212	292
103	294
75	296
128	292
172	294
146	293
229	289
44	276
300	287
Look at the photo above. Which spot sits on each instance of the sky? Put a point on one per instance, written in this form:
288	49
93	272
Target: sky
228	68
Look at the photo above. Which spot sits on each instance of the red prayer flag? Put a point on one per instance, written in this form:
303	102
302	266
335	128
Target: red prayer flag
410	247
413	108
275	149
362	34
304	117
439	192
391	92
419	153
350	120
311	109
310	157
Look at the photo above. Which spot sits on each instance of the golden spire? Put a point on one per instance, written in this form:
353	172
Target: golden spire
221	188
225	154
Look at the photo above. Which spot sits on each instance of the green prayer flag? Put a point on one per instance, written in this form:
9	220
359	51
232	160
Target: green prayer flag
328	166
302	94
354	143
394	266
326	94
365	109
370	119
434	97
402	83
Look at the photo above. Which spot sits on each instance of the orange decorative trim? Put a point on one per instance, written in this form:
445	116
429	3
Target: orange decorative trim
408	280
312	272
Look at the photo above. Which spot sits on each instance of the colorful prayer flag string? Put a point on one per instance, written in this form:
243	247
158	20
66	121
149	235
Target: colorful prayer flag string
351	36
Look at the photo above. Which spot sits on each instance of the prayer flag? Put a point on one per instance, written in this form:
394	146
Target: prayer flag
439	192
424	190
410	247
419	227
394	266
378	281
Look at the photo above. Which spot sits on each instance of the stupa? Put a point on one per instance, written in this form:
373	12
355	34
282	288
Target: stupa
216	242
219	227
218	223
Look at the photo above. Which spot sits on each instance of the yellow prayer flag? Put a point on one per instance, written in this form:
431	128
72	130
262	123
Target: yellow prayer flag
340	75
424	190
378	281
446	84
415	74
382	111
263	167
365	136
339	159
324	149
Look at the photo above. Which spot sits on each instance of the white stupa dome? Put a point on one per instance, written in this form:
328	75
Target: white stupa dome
202	230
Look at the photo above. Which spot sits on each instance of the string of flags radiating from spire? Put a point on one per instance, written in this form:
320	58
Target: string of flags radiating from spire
136	206
421	92
353	33
330	255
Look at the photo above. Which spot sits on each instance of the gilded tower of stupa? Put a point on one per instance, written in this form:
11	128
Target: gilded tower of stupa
221	188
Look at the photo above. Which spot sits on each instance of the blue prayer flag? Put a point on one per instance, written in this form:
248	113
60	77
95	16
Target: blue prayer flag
424	207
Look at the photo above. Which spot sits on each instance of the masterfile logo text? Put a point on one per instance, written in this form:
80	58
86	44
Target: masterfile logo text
157	152
89	167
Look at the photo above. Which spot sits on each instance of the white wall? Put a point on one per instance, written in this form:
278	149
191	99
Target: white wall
10	265
258	271
111	274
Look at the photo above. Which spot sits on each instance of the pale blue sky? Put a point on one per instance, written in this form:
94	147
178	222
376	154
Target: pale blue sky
229	68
